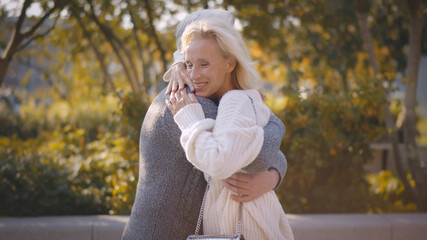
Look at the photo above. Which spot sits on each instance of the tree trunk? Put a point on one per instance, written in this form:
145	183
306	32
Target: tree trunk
362	18
13	43
419	172
4	65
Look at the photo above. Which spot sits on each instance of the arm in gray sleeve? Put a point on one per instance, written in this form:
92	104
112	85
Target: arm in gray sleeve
270	155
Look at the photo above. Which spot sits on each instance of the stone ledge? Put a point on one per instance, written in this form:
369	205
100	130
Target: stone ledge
305	226
359	226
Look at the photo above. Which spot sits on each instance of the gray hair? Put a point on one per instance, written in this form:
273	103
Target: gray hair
198	15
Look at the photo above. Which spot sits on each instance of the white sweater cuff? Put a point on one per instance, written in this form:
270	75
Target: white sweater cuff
189	115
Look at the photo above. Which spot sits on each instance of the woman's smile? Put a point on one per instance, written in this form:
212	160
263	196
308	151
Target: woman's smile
199	85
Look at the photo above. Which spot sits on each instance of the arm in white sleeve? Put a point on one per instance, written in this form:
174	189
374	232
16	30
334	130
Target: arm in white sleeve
223	146
178	58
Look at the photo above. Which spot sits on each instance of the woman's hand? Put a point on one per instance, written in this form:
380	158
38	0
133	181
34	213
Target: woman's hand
179	78
248	187
179	100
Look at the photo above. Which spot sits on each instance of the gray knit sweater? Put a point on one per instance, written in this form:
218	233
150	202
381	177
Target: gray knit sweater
170	189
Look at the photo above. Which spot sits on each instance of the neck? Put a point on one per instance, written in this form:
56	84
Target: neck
228	85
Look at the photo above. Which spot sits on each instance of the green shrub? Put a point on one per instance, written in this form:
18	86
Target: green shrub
81	167
32	184
389	192
326	144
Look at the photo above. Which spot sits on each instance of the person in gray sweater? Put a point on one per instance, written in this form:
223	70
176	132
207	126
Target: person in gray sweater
170	189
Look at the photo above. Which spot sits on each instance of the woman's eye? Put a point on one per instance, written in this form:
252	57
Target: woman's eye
189	66
203	64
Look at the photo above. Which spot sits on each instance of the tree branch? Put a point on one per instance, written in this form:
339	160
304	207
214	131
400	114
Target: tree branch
142	79
24	45
31	31
149	10
98	55
22	16
111	38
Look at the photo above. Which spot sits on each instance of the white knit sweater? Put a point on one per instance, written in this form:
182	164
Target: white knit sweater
222	147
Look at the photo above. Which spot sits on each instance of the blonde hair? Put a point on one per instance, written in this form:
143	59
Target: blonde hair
230	44
198	15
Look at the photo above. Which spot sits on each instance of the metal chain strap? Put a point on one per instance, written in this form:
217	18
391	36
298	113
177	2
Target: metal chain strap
202	209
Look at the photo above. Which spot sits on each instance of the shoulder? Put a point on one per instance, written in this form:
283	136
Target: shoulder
210	108
236	107
235	98
236	93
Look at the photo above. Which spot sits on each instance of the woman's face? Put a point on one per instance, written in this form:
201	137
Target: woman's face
208	69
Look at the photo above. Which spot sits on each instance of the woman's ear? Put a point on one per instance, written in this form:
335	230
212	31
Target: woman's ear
231	64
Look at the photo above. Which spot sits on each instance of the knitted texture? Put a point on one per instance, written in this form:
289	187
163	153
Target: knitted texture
170	189
222	147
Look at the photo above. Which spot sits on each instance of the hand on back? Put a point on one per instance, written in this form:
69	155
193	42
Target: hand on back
179	100
179	78
248	187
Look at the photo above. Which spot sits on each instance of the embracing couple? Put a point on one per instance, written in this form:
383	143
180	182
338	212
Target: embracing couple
217	129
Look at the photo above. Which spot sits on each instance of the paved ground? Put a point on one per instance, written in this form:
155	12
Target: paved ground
305	226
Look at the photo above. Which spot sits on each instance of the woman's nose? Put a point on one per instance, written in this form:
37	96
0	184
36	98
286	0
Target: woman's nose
194	74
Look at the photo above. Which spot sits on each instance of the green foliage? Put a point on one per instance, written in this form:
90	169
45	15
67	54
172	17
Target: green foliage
390	193
32	184
86	166
326	144
132	111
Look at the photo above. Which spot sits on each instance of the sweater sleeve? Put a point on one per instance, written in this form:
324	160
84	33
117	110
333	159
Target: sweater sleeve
223	146
270	155
178	58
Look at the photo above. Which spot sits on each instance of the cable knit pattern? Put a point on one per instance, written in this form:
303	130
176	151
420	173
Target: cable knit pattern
224	146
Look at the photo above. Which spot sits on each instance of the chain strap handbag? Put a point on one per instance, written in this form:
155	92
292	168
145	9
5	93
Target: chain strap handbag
196	236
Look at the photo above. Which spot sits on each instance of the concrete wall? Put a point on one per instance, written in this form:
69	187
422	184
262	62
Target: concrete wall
376	163
305	227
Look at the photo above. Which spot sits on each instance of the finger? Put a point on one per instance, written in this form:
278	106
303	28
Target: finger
232	182
192	97
187	80
173	98
174	84
245	198
169	105
240	177
178	96
237	183
181	83
168	90
237	189
189	83
183	93
185	97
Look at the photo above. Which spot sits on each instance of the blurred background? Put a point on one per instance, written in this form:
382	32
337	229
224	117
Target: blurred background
348	78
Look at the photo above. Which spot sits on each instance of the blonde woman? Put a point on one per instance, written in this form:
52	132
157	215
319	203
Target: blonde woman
220	67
